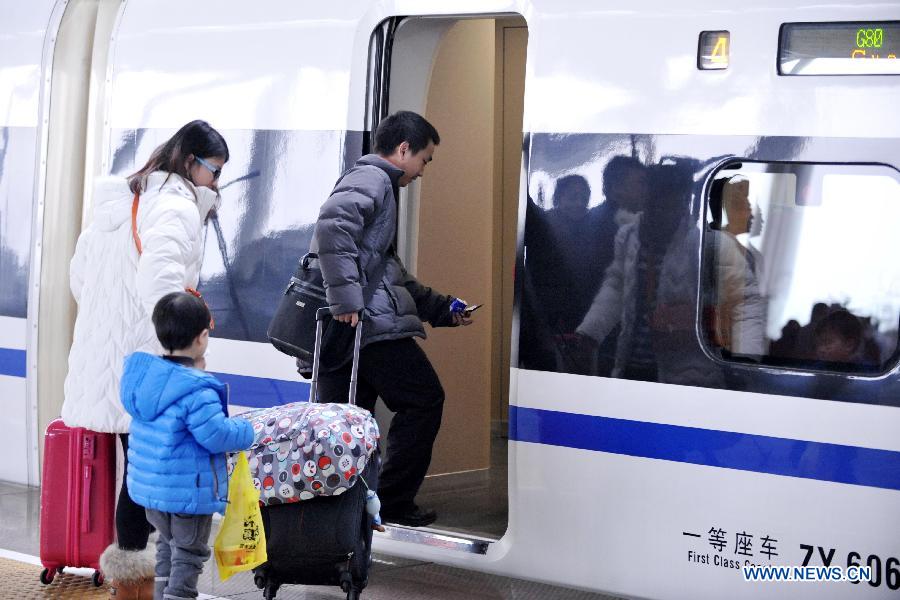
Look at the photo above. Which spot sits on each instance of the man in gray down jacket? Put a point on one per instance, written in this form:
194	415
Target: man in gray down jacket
354	238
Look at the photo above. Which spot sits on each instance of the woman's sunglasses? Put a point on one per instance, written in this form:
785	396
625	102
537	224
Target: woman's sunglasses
210	167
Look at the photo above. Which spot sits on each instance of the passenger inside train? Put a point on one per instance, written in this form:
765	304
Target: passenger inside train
834	338
736	310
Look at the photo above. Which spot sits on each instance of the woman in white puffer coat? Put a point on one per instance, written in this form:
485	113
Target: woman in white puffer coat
123	264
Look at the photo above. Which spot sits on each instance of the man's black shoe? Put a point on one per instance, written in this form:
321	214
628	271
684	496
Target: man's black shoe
414	517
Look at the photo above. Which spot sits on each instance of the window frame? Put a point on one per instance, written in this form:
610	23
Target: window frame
767	362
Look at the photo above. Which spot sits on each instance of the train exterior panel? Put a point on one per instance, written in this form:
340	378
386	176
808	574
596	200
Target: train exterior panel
24	42
646	489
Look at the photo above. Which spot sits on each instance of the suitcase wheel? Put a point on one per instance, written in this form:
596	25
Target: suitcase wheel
348	587
47	576
346	583
97	578
270	591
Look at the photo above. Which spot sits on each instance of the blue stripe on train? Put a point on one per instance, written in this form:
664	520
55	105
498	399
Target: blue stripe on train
742	451
257	392
12	362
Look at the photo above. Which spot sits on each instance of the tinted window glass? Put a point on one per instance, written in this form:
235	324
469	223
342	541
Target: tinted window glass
609	273
16	190
800	265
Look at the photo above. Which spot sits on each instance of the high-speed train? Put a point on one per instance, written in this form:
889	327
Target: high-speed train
681	218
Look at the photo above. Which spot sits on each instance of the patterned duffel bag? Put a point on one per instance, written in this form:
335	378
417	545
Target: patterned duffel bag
302	450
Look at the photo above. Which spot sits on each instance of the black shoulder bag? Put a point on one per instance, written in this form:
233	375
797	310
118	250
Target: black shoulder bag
293	328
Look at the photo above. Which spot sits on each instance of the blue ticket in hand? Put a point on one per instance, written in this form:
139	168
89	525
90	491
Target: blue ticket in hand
458	305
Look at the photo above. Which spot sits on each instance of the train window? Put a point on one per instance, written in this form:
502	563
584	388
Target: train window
800	266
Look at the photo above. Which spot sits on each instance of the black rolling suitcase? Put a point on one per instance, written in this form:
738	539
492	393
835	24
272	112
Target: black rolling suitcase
323	540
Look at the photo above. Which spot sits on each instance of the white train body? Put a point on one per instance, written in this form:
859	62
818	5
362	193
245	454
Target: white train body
659	489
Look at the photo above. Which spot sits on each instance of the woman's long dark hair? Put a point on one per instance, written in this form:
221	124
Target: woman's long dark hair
197	138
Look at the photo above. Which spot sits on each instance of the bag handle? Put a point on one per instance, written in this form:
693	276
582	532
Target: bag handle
354	371
86	486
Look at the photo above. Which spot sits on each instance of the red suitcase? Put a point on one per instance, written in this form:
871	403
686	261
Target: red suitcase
78	498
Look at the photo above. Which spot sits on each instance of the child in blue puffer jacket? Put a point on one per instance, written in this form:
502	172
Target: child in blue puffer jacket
180	432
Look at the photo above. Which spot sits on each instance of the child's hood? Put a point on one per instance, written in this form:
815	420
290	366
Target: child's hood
150	384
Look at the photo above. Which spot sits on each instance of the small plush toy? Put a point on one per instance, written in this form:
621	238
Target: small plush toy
373	507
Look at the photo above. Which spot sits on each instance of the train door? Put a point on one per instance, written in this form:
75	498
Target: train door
457	233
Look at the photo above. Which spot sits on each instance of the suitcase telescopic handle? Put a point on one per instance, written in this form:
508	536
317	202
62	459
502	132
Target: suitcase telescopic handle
321	314
87	476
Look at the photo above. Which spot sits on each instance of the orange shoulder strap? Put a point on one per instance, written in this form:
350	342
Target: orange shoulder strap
134	231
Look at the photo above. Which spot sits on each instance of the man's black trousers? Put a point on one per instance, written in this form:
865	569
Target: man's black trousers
400	373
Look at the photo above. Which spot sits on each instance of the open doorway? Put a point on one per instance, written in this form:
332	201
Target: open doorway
457	233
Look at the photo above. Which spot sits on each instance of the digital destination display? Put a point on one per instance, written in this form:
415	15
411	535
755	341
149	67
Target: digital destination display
858	48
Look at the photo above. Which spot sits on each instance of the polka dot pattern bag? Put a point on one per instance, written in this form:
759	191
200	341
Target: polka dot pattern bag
303	450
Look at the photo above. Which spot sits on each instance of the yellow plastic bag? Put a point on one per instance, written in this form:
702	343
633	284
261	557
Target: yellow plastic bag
241	542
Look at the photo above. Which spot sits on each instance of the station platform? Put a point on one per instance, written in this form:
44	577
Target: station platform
391	578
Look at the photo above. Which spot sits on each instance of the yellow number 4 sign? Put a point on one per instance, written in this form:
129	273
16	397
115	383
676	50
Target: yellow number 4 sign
714	50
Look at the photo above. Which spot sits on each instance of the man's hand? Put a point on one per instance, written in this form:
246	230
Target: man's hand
460	319
351	318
